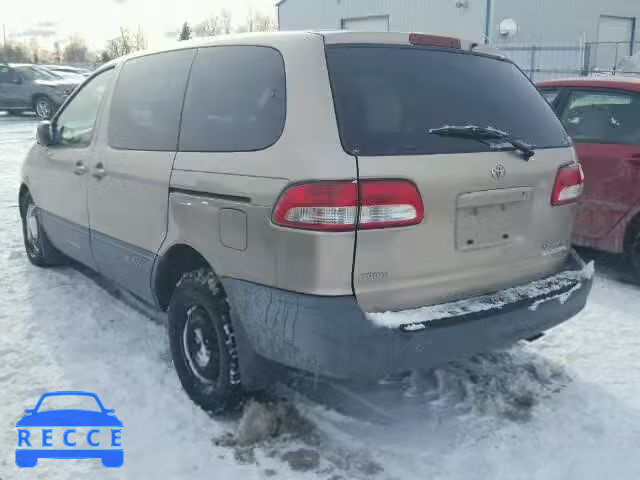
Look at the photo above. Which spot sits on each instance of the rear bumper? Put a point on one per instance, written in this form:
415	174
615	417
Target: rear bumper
333	337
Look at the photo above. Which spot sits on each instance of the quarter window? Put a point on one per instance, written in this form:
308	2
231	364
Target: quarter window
147	101
77	121
235	101
603	117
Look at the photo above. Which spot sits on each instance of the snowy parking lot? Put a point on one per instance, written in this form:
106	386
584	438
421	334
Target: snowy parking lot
564	407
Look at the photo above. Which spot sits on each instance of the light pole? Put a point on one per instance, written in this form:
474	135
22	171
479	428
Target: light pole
488	21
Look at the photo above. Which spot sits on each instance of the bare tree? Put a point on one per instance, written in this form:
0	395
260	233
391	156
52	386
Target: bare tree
76	50
258	22
139	40
14	52
57	53
125	43
34	48
215	25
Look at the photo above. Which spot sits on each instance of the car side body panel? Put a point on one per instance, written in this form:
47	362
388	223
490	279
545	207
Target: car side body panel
250	182
611	197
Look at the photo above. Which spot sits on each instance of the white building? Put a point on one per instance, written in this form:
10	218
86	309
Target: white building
500	21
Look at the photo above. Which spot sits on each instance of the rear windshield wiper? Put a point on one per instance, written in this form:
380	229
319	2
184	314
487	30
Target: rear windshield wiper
484	134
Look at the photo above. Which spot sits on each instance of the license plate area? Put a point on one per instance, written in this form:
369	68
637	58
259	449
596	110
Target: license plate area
492	218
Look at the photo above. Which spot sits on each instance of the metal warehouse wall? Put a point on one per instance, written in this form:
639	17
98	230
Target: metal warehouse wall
558	21
437	16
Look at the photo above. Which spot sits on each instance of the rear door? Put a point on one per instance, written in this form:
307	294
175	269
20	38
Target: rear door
605	126
488	222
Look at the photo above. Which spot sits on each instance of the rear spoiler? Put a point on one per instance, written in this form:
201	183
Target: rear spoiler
396	38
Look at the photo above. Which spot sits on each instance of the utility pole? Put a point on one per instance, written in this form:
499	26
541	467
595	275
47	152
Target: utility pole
4	37
488	21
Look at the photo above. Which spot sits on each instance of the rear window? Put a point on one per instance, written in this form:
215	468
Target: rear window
388	97
603	117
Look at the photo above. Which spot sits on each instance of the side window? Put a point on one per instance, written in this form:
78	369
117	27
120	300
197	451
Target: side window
7	74
147	101
235	101
550	95
603	116
76	122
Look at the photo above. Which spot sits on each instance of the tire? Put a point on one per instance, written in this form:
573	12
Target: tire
202	343
44	107
39	249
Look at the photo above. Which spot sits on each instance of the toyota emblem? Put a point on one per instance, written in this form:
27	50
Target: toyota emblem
498	171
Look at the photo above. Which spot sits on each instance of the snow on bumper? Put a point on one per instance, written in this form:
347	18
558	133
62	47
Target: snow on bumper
333	337
558	287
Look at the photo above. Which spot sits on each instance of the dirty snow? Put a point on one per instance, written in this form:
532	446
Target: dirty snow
566	407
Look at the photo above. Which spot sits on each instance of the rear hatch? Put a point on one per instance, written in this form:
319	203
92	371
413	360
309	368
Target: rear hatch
488	220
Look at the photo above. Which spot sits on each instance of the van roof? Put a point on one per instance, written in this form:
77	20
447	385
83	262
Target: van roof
278	38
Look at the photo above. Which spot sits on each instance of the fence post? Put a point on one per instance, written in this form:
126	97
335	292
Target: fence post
533	62
586	63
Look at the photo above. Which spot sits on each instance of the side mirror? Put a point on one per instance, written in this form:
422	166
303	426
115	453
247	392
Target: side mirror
29	410
45	133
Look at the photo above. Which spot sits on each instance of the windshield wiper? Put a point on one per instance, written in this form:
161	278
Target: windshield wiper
484	134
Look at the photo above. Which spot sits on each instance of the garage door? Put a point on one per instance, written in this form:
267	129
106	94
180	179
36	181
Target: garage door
367	24
615	35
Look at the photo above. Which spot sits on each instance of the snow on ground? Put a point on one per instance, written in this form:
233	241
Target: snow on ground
566	407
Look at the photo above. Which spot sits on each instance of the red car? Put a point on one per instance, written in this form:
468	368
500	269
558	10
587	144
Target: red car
602	115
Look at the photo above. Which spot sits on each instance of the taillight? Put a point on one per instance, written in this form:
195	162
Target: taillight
568	186
434	40
333	205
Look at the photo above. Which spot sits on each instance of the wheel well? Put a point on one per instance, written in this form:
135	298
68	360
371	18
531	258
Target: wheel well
632	228
24	191
38	95
178	260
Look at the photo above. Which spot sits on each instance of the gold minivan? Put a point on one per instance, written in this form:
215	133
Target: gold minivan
348	204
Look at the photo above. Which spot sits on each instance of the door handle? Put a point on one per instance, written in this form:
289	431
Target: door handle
79	168
99	171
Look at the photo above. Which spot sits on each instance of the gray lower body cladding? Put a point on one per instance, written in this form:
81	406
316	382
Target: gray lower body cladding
332	337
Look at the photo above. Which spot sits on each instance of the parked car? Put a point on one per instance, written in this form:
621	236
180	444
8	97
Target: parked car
602	114
67	69
276	215
76	77
32	88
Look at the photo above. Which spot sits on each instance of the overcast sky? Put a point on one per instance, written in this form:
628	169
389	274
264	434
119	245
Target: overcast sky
99	20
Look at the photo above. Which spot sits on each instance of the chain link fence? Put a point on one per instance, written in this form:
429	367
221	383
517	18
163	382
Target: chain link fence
547	62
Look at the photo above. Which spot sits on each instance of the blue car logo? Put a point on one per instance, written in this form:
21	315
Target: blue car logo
36	438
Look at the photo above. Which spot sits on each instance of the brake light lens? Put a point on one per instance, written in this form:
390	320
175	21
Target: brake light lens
568	186
333	206
434	40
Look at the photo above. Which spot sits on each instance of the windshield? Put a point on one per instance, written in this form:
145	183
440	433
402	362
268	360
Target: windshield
387	98
37	73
